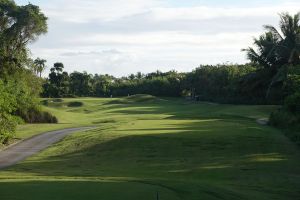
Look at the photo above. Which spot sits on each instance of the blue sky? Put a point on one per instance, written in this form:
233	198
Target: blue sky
120	37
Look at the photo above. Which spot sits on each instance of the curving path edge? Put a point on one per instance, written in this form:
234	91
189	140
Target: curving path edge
28	147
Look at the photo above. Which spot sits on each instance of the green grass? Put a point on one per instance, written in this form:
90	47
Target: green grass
144	145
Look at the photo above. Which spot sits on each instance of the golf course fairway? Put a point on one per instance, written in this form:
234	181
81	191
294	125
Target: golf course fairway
148	148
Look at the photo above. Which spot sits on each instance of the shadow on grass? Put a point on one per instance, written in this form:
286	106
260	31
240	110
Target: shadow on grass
181	110
82	189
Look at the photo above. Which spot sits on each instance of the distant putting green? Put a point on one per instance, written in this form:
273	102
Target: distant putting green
144	146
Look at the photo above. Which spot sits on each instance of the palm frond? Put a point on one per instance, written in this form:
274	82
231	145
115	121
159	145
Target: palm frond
256	57
274	32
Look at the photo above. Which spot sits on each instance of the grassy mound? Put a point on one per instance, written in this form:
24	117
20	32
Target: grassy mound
141	98
137	98
55	103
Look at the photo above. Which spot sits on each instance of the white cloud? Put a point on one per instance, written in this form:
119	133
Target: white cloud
205	13
163	38
83	11
102	10
92	53
124	36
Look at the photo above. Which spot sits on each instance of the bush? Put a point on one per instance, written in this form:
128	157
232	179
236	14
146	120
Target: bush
288	117
34	115
8	104
292	103
289	122
8	125
283	119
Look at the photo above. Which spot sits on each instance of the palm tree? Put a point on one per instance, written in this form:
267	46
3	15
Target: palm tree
40	66
276	48
265	55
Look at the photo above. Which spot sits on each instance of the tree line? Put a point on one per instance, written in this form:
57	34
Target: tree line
224	83
78	84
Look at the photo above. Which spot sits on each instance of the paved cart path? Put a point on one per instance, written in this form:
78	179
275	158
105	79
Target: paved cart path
26	148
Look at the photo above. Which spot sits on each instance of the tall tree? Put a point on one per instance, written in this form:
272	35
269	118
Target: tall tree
19	25
80	83
58	82
278	47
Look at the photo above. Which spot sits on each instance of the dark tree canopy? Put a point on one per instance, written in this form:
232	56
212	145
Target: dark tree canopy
19	25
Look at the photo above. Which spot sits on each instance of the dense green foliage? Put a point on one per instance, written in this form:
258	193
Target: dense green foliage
35	115
8	104
288	117
142	145
19	25
222	83
19	86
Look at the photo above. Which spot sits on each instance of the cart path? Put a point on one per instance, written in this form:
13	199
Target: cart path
28	147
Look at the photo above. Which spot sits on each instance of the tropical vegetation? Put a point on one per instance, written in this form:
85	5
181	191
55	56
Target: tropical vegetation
19	86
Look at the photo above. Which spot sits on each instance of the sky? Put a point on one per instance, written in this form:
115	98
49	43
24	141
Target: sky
120	37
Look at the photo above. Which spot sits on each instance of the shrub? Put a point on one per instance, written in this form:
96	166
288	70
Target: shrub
34	115
8	125
283	118
288	117
289	122
292	103
8	104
